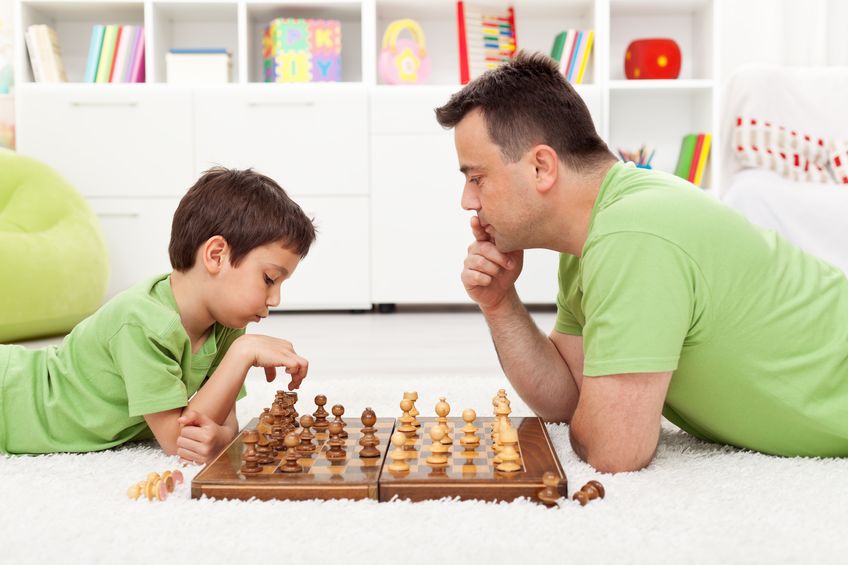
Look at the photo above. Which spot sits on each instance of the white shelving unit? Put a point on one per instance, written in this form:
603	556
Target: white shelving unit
367	159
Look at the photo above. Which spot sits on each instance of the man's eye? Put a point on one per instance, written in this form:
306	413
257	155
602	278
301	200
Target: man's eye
475	180
268	280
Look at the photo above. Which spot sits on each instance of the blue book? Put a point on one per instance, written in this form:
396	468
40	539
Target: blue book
573	63
196	51
94	52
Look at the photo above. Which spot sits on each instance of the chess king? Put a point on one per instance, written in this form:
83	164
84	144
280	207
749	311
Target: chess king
167	358
669	304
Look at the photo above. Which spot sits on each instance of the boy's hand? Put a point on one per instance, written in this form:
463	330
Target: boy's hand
201	438
270	353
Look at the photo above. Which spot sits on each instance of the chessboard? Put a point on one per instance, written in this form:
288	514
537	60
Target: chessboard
465	471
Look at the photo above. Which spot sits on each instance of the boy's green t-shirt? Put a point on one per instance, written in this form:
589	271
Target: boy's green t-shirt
754	329
130	358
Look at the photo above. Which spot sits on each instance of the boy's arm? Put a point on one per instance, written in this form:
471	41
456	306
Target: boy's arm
212	408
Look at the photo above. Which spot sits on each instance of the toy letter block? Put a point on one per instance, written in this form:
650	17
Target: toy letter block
302	50
652	59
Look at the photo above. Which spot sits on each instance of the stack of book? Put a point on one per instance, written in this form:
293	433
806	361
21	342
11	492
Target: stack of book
692	161
572	50
198	66
116	54
44	54
486	39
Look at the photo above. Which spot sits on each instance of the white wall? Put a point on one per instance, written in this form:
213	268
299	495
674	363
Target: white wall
786	32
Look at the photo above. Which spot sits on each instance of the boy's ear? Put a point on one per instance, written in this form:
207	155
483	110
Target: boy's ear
214	254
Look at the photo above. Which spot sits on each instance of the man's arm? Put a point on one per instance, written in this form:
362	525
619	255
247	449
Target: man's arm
534	363
616	425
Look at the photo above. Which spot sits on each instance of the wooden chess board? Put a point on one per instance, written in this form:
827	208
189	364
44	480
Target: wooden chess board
468	474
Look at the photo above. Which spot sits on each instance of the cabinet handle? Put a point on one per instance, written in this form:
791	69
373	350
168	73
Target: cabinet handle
118	214
78	104
290	104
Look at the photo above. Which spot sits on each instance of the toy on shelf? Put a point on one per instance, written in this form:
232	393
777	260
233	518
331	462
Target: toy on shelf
402	60
656	58
486	39
302	50
641	158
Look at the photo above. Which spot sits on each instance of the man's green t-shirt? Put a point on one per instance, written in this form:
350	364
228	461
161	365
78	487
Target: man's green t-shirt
130	358
754	329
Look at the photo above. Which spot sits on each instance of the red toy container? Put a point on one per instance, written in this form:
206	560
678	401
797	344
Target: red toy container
656	58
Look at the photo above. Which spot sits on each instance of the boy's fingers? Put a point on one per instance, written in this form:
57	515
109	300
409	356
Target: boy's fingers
270	373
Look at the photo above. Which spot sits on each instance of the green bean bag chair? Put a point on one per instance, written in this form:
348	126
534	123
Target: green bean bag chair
53	261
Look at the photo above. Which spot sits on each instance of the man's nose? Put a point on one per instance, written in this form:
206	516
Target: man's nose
469	199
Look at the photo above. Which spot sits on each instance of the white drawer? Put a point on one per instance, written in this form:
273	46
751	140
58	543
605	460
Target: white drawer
110	140
335	273
311	139
407	109
137	233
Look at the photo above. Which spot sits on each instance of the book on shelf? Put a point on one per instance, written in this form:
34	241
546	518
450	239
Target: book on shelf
115	54
692	161
198	66
487	38
45	54
572	49
302	50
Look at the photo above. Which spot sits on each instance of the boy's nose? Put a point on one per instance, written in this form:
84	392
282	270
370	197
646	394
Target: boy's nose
274	297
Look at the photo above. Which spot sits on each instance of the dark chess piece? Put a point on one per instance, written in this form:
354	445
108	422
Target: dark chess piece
277	434
251	460
550	494
295	415
306	437
369	441
320	414
335	442
291	465
338	411
589	491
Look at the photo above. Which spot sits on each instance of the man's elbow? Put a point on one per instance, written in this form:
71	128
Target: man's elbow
609	459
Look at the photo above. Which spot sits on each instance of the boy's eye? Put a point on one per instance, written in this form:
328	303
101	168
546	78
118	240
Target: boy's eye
268	280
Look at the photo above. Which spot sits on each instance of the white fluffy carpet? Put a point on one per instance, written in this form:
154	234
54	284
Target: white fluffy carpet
697	503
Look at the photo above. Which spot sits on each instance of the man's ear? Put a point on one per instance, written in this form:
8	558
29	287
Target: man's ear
546	162
214	253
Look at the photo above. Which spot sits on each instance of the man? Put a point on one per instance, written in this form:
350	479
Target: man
669	303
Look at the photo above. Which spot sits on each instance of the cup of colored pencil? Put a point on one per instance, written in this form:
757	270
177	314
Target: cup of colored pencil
641	158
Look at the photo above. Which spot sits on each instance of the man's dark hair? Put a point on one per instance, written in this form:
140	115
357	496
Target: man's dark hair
244	207
525	102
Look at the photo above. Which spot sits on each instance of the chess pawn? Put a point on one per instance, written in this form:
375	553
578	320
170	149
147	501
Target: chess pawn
413	396
320	414
369	441
550	494
338	411
398	456
336	443
406	420
291	465
264	451
470	440
589	491
438	450
277	434
306	437
251	460
442	411
508	455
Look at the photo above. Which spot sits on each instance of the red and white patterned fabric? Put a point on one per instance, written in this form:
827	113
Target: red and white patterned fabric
838	157
791	154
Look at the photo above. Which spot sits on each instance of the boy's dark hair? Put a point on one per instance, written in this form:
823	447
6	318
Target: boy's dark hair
244	207
527	101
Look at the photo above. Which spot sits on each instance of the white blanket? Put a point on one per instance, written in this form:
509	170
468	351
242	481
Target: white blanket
812	216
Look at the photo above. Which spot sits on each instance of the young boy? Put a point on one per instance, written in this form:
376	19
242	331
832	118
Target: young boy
168	357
